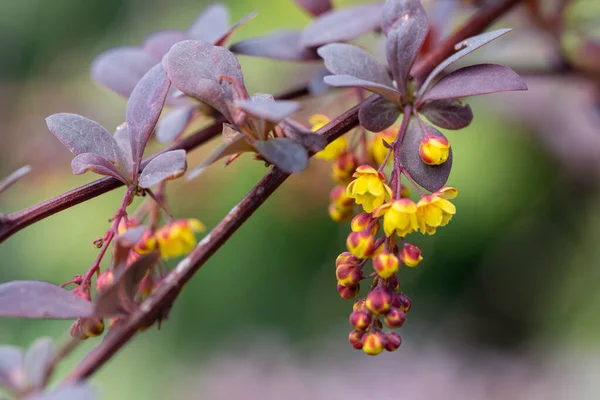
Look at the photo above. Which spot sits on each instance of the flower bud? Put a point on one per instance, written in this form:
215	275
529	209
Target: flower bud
434	150
346	258
146	286
78	290
339	214
394	284
105	280
355	338
92	327
394	318
343	168
146	244
348	274
393	341
362	222
378	301
405	302
360	320
359	305
410	255
373	343
361	244
339	197
386	264
348	292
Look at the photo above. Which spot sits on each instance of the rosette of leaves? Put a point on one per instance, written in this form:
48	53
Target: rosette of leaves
405	25
120	155
213	75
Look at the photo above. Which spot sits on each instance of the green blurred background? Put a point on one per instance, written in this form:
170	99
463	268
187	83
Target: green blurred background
506	298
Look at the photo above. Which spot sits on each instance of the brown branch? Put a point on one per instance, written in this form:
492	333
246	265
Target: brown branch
169	289
12	223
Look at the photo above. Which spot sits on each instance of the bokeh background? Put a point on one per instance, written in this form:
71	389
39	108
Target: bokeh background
505	304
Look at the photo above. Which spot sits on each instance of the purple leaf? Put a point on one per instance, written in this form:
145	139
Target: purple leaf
196	67
269	109
315	7
81	135
342	25
475	80
221	41
143	110
349	81
211	24
14	177
465	47
121	68
378	114
283	45
347	59
77	391
165	166
98	164
37	360
159	43
404	40
398	11
448	114
121	136
286	154
316	85
118	299
310	140
11	367
430	177
42	300
172	125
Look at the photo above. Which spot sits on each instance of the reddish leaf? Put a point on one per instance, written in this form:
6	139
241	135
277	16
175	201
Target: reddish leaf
121	68
283	45
286	154
11	367
159	43
269	109
98	164
342	25
347	59
143	110
172	125
475	80
465	47
14	177
42	300
397	11
221	41
38	358
165	166
81	135
305	137
121	136
378	114
210	25
316	85
349	81
315	7
405	37
196	68
431	177
448	114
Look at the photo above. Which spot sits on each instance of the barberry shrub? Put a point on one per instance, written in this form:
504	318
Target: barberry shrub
389	171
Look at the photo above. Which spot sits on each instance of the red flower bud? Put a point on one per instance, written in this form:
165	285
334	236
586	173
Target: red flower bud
348	274
361	244
405	303
105	280
348	293
360	320
394	318
373	343
410	255
393	341
362	222
355	338
379	301
386	264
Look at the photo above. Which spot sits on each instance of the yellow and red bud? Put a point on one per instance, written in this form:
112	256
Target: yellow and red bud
360	244
339	197
359	305
348	274
379	301
146	244
394	318
346	258
105	280
410	255
393	341
386	264
343	168
373	343
394	284
348	292
361	320
355	338
131	223
362	221
434	150
405	302
92	327
338	214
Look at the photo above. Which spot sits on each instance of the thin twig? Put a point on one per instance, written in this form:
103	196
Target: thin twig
14	177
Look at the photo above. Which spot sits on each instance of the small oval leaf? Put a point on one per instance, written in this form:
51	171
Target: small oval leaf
159	43
211	24
349	81
172	125
448	114
165	166
286	154
282	45
378	114
41	300
269	109
347	59
430	177
37	360
233	144
98	164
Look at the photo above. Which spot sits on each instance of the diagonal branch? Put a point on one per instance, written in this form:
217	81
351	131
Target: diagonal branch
169	289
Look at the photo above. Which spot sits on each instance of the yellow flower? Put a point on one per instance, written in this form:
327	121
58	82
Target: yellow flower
377	149
369	189
343	168
335	148
399	216
434	150
177	238
435	210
